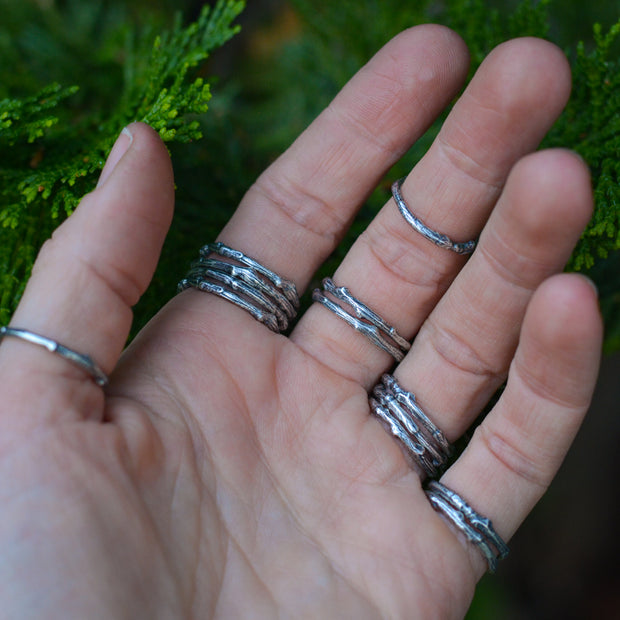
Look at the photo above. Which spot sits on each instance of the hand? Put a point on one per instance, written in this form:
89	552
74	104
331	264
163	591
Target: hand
229	471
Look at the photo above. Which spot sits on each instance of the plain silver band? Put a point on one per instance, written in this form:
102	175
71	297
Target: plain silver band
83	361
476	528
443	241
424	443
363	320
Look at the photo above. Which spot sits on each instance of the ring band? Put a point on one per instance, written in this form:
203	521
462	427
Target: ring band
424	443
83	361
443	241
363	319
476	528
246	283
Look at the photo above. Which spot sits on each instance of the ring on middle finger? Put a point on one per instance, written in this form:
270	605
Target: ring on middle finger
362	319
424	443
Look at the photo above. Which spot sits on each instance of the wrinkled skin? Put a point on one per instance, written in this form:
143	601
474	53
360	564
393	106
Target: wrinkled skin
230	472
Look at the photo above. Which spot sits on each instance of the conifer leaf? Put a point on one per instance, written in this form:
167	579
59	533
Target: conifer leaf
50	157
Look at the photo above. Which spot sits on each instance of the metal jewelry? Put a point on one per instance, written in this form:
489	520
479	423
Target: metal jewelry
443	241
266	296
362	319
476	528
79	359
424	443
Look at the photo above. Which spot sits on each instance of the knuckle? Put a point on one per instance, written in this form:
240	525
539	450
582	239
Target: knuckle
403	260
303	207
532	466
460	354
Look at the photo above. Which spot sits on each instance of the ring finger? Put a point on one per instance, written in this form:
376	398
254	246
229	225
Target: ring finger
463	350
502	115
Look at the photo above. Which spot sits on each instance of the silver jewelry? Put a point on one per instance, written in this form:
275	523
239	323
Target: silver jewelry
287	287
83	361
363	319
246	283
443	241
424	443
476	528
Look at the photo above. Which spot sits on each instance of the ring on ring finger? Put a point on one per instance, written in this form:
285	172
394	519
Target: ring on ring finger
424	443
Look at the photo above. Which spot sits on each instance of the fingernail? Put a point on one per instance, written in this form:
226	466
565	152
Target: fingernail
591	283
121	146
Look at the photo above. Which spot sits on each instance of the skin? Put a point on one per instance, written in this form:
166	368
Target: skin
230	472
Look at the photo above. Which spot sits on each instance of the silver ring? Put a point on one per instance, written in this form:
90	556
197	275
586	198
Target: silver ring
218	274
476	528
363	319
443	241
424	443
83	361
246	283
286	286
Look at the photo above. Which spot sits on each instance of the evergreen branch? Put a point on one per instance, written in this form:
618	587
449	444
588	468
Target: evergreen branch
54	159
591	126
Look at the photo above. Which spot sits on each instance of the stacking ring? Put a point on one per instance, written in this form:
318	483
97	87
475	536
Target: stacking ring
79	359
362	319
246	283
443	241
425	445
476	528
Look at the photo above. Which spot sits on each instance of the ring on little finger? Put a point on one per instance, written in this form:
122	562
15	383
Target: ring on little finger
477	529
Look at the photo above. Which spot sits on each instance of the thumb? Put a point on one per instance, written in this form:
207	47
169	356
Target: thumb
94	269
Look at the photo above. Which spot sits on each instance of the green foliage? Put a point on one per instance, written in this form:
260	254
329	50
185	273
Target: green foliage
51	149
131	61
591	126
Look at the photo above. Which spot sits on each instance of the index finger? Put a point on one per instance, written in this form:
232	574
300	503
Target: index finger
298	210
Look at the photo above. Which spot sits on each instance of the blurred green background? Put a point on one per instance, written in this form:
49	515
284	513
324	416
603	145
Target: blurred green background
268	83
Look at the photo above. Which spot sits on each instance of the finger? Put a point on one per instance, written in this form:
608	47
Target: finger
89	274
517	450
295	214
462	353
505	111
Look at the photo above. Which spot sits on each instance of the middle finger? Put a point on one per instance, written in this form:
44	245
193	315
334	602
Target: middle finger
510	104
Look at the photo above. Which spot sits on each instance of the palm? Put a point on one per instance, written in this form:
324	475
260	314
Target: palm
229	471
306	506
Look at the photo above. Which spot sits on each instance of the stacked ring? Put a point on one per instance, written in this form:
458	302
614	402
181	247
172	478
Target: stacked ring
397	409
476	528
362	319
266	296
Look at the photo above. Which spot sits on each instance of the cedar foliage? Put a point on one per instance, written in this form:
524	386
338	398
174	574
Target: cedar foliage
54	134
53	147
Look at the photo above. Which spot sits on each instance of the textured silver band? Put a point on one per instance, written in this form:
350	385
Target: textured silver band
246	283
362	319
286	286
443	241
83	361
424	443
477	529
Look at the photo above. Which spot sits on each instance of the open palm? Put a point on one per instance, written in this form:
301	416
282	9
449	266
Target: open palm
228	471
